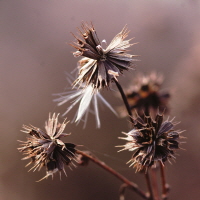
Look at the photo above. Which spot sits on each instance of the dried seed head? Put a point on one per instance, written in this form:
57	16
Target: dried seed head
145	95
100	66
45	148
151	141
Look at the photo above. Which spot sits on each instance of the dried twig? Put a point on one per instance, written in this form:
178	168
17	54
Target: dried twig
149	186
125	100
130	184
165	186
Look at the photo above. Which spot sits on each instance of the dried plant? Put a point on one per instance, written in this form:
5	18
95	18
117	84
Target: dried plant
45	148
152	139
145	95
101	66
85	96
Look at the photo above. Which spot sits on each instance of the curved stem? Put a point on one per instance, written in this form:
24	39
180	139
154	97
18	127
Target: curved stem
124	99
130	184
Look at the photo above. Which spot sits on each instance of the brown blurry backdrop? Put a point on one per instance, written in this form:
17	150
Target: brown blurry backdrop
34	58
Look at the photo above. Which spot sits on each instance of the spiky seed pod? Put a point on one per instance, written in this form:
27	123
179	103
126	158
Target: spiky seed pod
151	141
45	148
101	66
145	95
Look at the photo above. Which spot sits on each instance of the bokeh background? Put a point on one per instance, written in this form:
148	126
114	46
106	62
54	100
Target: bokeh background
35	56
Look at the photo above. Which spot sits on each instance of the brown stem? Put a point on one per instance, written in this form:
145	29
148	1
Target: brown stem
154	184
165	187
149	186
125	100
130	184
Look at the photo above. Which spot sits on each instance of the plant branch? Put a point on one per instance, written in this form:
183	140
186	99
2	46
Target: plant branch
124	99
149	185
154	184
165	187
130	184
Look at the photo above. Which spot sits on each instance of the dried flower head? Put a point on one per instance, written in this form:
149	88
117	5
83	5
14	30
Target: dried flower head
86	96
145	95
152	141
45	148
101	66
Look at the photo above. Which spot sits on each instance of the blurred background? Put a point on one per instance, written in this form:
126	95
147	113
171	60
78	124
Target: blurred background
35	56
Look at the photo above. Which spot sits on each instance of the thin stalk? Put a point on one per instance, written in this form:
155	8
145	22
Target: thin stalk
149	186
154	184
130	184
146	110
165	188
125	100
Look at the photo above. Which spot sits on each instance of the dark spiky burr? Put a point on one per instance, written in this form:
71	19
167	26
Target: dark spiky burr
145	95
151	141
45	148
100	66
